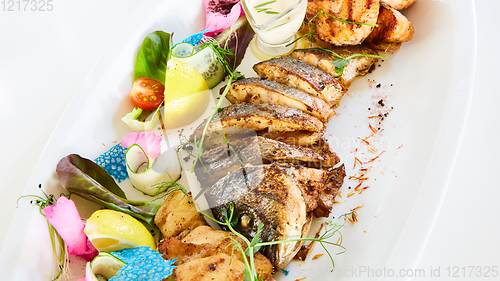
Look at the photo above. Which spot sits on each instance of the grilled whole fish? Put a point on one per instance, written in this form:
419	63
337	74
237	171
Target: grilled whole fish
327	195
339	33
219	161
393	29
399	4
264	118
255	90
324	60
269	195
303	76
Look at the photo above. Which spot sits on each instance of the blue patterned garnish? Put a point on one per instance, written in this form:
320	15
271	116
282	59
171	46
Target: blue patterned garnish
195	39
142	263
113	161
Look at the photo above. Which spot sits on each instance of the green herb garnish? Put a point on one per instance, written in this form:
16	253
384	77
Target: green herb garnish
233	76
264	4
312	28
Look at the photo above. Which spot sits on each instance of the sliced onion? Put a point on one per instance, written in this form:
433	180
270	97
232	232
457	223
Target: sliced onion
131	120
145	175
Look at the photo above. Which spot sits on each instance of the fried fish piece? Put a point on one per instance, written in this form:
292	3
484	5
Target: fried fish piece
177	217
393	29
219	161
303	76
276	120
323	147
339	33
399	4
327	195
323	59
202	252
269	195
203	242
255	90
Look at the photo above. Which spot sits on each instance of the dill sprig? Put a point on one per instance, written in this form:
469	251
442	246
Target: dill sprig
61	256
341	62
254	245
233	75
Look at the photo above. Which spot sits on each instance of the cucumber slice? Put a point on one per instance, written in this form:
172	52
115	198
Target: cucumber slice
183	50
106	265
205	61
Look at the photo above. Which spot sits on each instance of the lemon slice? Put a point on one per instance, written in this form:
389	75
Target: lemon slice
205	61
110	231
186	94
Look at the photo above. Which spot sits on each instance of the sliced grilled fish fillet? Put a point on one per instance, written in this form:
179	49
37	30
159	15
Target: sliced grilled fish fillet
303	76
269	195
323	60
323	147
311	182
339	33
399	4
256	90
327	195
263	118
219	161
394	28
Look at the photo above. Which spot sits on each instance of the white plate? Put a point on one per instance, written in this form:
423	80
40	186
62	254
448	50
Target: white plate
431	79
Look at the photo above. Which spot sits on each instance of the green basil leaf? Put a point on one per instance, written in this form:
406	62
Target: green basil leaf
152	58
340	63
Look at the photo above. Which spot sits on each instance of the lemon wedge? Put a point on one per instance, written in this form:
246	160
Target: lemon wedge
110	230
186	94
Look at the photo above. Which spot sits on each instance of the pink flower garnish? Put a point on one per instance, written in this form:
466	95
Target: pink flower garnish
150	142
221	14
64	217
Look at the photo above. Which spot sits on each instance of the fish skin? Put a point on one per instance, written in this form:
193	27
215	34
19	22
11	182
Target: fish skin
322	59
219	161
263	118
268	195
256	90
323	147
303	76
334	181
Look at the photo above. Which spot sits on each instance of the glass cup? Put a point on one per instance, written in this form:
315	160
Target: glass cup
275	22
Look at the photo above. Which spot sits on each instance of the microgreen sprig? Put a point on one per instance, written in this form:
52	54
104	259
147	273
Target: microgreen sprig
312	28
340	63
233	76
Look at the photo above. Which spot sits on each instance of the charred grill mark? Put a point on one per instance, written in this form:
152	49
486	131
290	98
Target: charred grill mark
350	14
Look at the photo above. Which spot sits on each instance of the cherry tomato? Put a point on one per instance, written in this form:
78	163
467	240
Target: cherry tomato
147	93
